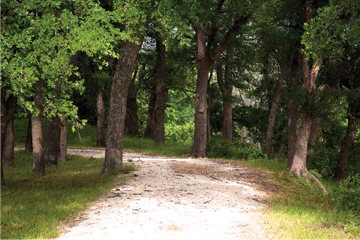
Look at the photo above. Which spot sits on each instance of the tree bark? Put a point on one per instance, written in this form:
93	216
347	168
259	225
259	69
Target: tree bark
8	108
341	167
298	167
272	113
117	111
100	124
161	91
313	134
52	142
37	136
150	125
132	121
28	143
292	121
208	112
9	144
206	57
63	139
226	90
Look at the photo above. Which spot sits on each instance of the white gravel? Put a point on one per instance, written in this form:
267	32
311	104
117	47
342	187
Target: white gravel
160	204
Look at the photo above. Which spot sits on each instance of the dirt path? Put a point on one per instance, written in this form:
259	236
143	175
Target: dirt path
173	198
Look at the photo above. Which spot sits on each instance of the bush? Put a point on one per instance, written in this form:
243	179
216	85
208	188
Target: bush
348	193
219	147
179	133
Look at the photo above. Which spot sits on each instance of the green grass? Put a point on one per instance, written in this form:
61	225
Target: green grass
84	137
149	146
298	210
34	206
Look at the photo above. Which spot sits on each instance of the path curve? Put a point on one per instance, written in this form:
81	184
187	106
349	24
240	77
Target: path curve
172	198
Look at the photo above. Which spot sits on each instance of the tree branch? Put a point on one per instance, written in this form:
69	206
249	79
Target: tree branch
231	34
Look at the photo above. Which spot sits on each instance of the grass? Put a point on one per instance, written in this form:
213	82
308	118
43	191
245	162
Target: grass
297	210
300	210
149	146
35	206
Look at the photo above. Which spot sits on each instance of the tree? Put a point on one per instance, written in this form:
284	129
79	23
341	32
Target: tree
332	32
226	88
38	42
37	136
9	144
209	50
8	108
161	90
132	121
120	87
52	141
28	143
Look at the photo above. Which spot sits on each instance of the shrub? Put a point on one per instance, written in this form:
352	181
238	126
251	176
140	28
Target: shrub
219	147
179	133
348	193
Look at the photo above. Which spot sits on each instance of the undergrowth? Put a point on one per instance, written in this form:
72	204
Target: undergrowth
35	206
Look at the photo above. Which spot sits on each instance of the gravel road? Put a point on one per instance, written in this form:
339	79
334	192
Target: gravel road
172	198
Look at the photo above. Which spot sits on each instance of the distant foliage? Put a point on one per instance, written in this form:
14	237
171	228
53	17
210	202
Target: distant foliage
348	194
179	133
238	149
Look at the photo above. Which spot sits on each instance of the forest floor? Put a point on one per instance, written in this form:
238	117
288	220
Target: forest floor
176	198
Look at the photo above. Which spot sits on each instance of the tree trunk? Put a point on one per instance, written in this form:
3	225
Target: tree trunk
36	126
298	166
63	139
226	90
313	134
9	144
272	114
28	143
117	111
150	125
203	69
100	124
206	56
341	167
161	91
52	142
131	120
292	121
208	113
8	108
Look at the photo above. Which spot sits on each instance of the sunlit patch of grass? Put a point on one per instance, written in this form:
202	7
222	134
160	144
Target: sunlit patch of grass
301	210
149	146
33	206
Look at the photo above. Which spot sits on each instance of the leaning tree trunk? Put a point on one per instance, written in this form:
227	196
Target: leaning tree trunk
100	118
9	144
8	108
272	113
63	139
161	91
38	145
117	111
28	143
52	142
341	167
